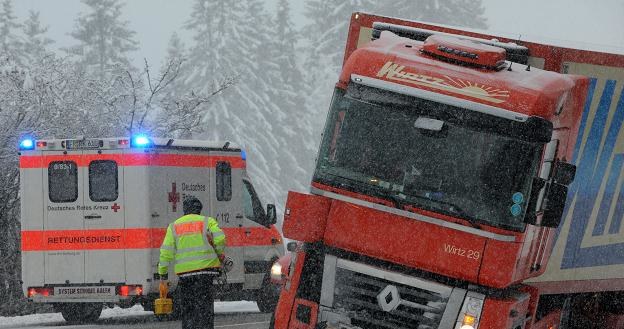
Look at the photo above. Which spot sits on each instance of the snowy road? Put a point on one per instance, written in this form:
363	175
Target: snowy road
230	315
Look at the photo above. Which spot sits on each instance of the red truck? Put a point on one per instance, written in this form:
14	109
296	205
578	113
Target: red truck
455	166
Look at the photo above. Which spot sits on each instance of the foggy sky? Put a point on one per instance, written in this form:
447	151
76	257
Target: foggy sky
573	23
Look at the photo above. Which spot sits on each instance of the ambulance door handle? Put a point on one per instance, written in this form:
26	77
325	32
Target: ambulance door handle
239	216
155	214
92	216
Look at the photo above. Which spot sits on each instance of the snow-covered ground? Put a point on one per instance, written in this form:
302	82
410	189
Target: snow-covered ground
117	312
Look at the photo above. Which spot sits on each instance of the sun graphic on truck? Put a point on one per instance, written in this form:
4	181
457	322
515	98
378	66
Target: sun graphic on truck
396	72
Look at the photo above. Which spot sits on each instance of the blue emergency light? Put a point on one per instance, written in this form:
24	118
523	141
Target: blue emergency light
141	141
27	144
244	155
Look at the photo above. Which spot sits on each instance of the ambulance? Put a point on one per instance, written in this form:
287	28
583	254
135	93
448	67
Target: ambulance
94	213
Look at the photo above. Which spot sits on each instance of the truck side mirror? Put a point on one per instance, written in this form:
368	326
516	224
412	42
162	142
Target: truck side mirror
271	216
564	173
555	204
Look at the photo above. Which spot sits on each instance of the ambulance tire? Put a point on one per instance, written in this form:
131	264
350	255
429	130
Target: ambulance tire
268	295
81	312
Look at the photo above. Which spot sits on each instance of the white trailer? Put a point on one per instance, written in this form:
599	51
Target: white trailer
94	214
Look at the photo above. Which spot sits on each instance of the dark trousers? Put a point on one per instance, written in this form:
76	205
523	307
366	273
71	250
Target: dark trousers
197	301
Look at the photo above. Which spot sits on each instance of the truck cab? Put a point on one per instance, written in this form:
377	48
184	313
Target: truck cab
95	212
441	178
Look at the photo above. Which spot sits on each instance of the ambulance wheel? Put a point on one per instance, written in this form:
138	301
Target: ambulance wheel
268	295
81	312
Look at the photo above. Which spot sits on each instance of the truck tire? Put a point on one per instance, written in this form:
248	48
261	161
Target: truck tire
80	312
268	295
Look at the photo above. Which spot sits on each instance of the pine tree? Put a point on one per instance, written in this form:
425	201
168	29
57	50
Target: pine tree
226	45
177	57
10	43
287	93
36	43
176	48
463	13
104	39
326	34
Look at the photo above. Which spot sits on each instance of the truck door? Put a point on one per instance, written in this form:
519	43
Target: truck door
63	218
227	210
104	217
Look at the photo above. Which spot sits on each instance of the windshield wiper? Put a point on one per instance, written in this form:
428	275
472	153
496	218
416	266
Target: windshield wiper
455	209
459	211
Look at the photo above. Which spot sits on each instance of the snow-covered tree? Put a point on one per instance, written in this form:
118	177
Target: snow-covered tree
464	13
104	38
231	39
287	93
10	42
326	35
36	42
175	48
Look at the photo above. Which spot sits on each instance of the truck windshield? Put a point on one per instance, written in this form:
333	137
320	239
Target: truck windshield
408	154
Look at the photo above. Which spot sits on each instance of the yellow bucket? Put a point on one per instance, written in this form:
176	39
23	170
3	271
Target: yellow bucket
163	305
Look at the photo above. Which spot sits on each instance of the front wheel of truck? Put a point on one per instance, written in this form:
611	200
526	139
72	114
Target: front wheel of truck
80	312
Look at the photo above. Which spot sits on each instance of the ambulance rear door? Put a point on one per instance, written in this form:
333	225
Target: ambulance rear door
225	207
63	218
104	216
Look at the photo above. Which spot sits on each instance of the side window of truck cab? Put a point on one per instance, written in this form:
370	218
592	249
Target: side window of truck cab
252	207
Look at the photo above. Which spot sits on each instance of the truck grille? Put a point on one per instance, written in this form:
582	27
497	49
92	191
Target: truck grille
374	298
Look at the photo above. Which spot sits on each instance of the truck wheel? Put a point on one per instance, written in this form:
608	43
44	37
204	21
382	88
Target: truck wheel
81	312
268	295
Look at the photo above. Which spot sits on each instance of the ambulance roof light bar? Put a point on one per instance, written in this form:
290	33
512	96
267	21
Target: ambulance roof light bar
27	144
141	140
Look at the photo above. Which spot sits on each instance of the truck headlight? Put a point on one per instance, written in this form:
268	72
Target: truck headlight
276	271
470	311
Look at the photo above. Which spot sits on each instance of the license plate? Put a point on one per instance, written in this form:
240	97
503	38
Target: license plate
74	292
84	144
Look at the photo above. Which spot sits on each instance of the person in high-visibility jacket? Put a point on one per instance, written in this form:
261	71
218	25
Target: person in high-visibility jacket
195	245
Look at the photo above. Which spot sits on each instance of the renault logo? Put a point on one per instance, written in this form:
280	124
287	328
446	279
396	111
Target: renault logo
389	298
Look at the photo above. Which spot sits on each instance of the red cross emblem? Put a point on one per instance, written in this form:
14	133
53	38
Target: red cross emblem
174	197
115	207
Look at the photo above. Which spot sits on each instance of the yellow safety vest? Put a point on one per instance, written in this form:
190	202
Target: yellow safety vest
188	244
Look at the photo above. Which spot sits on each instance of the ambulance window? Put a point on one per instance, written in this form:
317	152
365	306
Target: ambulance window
103	181
63	181
252	206
224	181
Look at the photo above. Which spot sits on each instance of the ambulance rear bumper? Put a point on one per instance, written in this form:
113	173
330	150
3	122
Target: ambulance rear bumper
112	299
112	293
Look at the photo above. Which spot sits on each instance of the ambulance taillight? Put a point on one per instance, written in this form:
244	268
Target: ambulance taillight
130	290
43	291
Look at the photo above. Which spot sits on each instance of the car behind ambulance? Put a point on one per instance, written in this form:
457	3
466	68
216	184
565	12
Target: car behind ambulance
94	214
